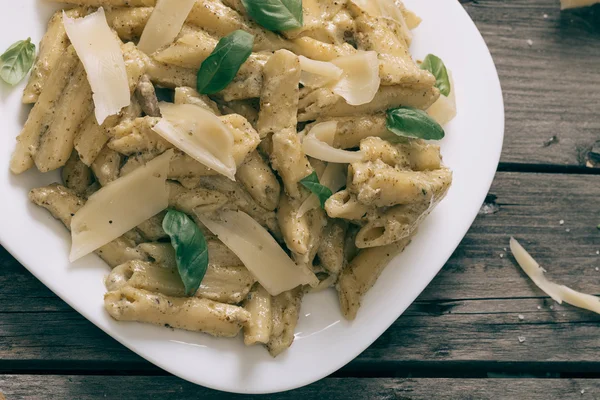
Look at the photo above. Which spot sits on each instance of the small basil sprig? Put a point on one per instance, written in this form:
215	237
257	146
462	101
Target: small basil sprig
414	123
311	182
16	61
191	250
276	15
436	66
223	64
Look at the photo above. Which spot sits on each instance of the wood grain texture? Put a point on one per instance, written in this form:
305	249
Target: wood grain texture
548	66
50	387
469	313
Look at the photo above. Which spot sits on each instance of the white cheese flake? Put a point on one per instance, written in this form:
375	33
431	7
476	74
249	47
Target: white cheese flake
259	252
164	24
121	206
558	293
100	52
360	80
200	134
316	74
318	143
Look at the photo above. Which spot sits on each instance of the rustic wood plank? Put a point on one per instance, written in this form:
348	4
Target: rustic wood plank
169	388
470	312
550	84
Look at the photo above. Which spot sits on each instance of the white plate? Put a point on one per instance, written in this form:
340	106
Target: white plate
324	340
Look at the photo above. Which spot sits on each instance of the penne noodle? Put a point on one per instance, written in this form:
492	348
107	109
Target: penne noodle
259	180
381	185
322	103
192	314
52	47
285	312
76	175
223	284
152	230
259	304
41	116
188	95
128	22
106	166
56	144
361	274
331	247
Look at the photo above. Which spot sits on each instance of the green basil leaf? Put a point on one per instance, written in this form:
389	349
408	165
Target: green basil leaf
414	123
16	61
436	66
223	64
311	182
276	15
190	247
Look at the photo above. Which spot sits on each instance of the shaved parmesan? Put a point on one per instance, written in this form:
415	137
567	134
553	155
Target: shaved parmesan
390	9
259	252
360	81
200	134
559	293
444	108
121	206
100	52
318	143
317	74
164	24
564	4
334	178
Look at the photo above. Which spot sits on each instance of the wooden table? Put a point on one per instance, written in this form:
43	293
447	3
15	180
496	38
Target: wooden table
460	340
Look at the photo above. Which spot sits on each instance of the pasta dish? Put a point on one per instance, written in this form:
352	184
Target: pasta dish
228	157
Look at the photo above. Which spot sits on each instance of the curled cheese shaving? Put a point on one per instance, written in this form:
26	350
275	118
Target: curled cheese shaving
164	24
559	293
101	55
317	74
360	81
200	134
318	143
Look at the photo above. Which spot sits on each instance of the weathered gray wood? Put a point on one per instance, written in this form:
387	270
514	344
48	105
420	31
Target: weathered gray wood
551	84
470	312
51	387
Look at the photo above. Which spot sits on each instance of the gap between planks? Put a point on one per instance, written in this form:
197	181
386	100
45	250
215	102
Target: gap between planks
171	388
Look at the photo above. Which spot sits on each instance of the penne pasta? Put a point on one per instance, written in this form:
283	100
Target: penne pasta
41	116
322	103
192	314
223	284
259	304
56	143
361	273
259	181
331	248
285	312
106	166
52	48
76	175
